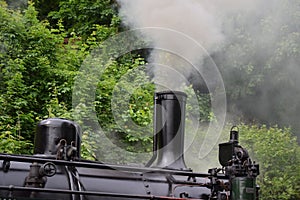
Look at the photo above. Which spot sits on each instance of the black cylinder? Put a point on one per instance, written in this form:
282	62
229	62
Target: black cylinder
169	123
53	132
234	135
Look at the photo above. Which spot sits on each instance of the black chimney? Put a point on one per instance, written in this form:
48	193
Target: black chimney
169	123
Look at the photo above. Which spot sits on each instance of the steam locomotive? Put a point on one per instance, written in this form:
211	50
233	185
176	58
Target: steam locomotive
56	171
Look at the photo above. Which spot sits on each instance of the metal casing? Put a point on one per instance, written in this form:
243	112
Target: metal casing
243	188
51	131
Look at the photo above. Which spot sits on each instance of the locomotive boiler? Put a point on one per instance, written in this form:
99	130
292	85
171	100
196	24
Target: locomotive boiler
56	171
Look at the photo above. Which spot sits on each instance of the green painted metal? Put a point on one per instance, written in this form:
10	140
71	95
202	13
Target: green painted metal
243	188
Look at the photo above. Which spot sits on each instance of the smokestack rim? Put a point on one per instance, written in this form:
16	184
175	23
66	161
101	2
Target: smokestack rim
170	95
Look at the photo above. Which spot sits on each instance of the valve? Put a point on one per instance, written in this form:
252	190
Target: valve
48	169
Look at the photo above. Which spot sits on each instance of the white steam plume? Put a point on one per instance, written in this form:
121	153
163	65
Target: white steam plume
190	17
238	34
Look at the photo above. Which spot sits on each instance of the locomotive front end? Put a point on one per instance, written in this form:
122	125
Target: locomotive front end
56	170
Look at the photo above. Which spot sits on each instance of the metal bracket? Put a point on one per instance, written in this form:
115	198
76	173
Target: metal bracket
5	166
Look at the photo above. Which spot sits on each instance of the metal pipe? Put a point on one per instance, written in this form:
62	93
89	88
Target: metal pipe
12	188
90	164
71	181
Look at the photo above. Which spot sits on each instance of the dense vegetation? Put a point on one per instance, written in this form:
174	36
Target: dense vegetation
43	47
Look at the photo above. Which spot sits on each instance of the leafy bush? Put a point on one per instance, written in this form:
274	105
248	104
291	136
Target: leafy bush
37	71
278	155
82	16
9	143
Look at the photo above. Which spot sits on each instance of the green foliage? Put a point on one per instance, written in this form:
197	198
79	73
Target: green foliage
198	106
81	16
37	69
87	147
44	7
123	104
278	155
9	143
39	65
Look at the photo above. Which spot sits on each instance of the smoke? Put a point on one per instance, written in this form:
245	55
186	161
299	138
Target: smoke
17	4
177	22
255	45
260	60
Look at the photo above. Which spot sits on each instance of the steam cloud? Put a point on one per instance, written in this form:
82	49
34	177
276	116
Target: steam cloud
199	20
187	17
254	43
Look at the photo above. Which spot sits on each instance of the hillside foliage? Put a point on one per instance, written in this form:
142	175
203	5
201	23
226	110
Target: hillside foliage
44	47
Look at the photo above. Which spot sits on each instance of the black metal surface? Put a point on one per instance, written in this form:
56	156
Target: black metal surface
169	123
97	183
51	132
226	150
89	164
57	172
89	193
